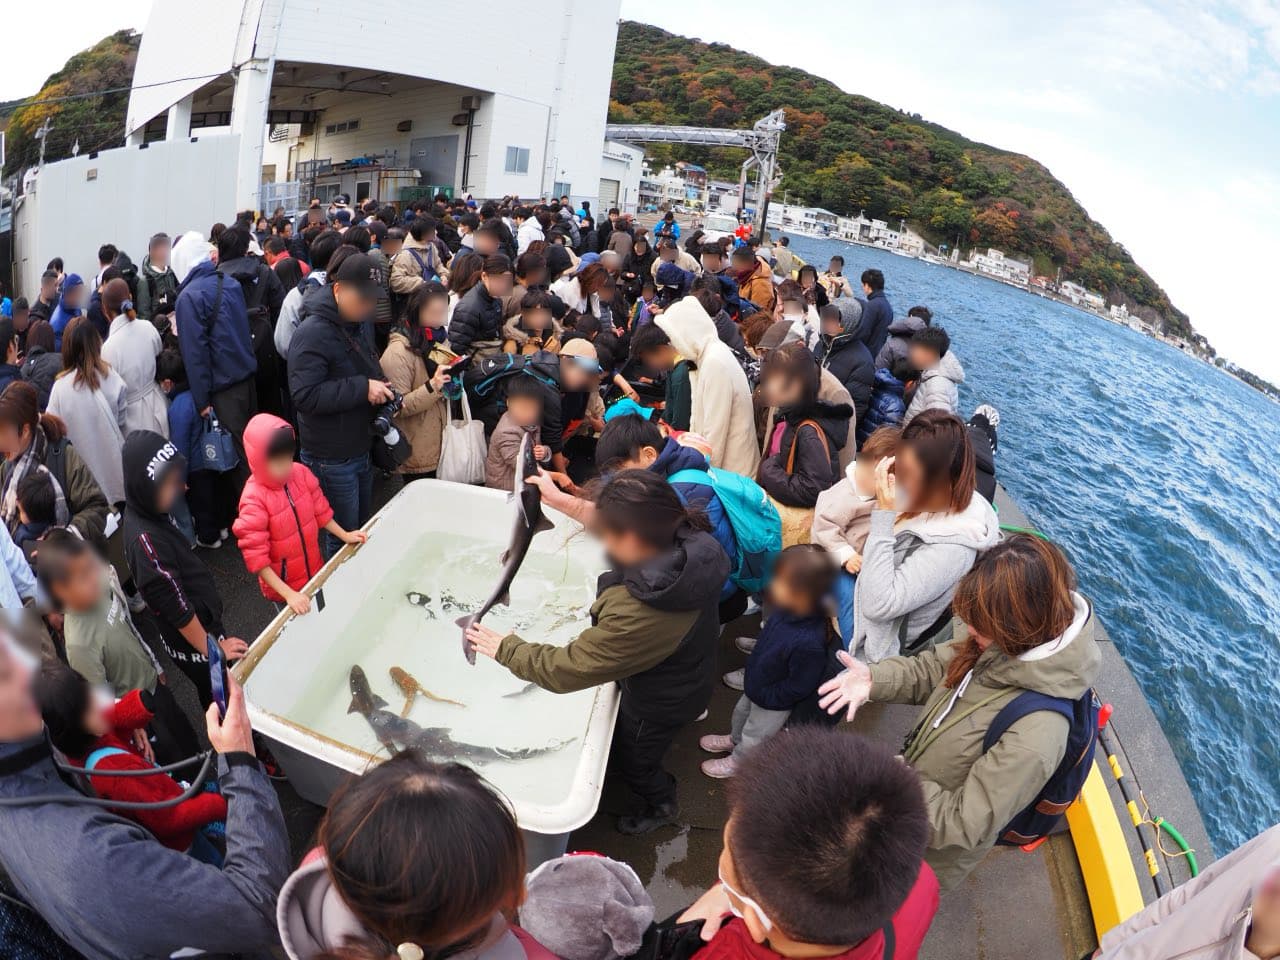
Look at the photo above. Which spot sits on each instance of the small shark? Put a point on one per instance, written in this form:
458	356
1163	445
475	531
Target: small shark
397	734
412	689
529	521
527	688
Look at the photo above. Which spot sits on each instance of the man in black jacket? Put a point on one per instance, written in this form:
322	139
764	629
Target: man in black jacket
477	319
336	384
263	298
877	314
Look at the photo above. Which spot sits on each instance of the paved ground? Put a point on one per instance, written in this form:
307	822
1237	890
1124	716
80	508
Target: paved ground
1016	905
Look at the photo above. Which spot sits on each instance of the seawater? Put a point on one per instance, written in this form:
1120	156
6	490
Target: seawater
550	603
1158	475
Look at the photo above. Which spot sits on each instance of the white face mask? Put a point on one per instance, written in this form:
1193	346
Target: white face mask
760	914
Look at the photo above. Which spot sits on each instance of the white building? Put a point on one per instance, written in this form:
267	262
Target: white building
1082	297
333	97
995	264
806	221
620	173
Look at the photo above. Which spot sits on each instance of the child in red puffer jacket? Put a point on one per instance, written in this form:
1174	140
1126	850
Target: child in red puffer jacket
282	511
99	736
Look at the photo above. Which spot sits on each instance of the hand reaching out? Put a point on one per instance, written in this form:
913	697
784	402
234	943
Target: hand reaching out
847	690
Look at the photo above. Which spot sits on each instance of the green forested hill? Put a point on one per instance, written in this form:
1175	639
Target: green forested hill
848	153
70	100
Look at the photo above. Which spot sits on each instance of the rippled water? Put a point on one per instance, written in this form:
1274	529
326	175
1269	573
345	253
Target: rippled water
1159	476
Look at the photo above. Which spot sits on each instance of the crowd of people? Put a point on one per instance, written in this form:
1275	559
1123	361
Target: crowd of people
739	430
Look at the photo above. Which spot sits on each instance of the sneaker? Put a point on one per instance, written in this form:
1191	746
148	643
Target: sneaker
214	545
753	607
716	743
137	604
990	412
746	644
225	532
735	679
652	819
721	768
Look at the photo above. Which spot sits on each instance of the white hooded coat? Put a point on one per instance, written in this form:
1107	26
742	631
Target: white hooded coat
721	409
918	587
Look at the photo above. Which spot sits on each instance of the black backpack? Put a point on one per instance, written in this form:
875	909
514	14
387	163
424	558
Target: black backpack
261	328
1040	817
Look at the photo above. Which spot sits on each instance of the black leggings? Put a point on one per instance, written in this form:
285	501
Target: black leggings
175	739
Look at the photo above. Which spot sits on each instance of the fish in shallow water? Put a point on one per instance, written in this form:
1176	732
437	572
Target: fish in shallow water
397	734
412	689
529	521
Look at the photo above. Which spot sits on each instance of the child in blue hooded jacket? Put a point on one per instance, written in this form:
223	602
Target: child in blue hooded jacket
788	661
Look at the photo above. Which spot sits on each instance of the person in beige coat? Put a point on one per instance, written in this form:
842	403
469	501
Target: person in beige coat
1010	643
416	363
721	409
1231	911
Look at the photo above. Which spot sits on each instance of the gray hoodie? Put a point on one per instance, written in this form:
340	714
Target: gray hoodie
938	389
893	585
114	892
313	919
894	350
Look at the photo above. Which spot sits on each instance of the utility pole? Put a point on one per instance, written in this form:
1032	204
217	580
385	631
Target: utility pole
43	135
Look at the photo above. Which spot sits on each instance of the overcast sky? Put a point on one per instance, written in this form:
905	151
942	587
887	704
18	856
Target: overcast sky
1161	116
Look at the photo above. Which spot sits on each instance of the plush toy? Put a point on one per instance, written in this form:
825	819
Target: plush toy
586	907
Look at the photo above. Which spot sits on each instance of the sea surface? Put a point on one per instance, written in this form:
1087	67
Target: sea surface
1161	478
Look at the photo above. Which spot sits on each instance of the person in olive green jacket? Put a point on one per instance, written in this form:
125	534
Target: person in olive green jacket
32	441
1024	628
654	627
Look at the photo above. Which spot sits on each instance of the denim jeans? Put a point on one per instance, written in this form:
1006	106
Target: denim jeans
348	486
843	592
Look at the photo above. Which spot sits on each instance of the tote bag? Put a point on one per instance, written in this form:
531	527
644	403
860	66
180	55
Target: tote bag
217	447
462	448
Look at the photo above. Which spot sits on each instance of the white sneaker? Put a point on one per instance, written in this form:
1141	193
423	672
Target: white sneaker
746	644
735	679
752	608
209	546
716	743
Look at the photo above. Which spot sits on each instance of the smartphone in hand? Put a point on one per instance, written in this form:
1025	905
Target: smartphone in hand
217	674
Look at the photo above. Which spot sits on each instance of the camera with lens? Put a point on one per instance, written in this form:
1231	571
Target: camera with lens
385	413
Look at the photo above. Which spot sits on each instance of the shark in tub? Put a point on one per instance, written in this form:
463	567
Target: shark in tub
529	521
397	733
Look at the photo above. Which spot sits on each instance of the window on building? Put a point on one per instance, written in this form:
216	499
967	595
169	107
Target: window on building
517	160
561	189
346	126
325	192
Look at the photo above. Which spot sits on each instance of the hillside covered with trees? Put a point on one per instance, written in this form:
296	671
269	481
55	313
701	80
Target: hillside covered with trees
848	153
95	120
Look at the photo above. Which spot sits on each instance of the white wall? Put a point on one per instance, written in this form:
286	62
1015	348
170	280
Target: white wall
172	186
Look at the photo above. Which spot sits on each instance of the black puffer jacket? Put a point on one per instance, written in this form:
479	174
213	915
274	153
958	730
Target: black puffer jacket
817	460
848	358
330	366
477	317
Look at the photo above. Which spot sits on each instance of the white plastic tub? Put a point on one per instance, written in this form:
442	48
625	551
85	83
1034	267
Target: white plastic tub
443	540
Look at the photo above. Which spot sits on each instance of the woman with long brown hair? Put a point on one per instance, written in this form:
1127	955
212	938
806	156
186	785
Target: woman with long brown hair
416	860
31	442
927	529
1025	628
92	399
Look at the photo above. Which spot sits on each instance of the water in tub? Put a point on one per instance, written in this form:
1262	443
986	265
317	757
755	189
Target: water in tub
405	623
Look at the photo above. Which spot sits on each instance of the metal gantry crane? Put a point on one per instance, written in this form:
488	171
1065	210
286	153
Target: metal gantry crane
762	140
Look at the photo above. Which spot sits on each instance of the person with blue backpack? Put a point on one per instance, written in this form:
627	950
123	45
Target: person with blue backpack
1009	720
731	502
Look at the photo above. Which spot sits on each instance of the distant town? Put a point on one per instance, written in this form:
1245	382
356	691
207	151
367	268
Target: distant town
687	189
